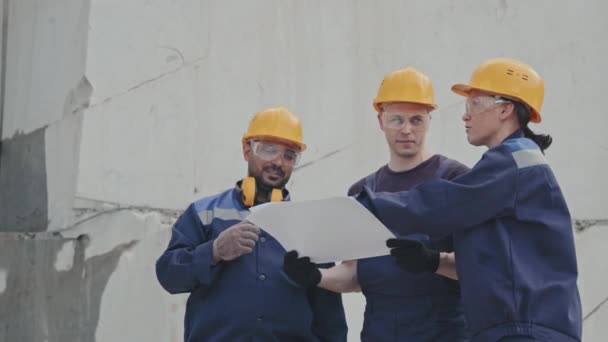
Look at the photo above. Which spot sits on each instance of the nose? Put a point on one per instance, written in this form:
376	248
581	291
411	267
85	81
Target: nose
466	116
278	160
406	128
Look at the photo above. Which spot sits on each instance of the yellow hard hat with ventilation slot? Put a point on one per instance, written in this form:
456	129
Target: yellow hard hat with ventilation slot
509	78
276	123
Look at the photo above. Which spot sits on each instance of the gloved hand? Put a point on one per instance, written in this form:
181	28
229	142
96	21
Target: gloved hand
413	256
235	241
301	270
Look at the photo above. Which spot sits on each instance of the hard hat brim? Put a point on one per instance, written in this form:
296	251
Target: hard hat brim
376	104
462	89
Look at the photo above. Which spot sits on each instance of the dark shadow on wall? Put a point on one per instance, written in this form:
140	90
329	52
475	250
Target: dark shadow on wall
23	188
40	303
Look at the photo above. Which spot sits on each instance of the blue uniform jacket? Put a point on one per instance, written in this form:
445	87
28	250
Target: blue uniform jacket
513	241
248	298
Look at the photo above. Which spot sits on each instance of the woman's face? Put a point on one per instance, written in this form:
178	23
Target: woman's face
482	118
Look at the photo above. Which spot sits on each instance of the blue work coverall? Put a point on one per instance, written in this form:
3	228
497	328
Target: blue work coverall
513	241
248	298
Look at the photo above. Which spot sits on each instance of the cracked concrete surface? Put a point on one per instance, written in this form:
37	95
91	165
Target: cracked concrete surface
66	306
65	257
184	64
113	125
595	309
590	246
86	209
46	47
582	225
23	198
61	279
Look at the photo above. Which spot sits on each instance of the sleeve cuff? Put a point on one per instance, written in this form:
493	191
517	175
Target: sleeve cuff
205	271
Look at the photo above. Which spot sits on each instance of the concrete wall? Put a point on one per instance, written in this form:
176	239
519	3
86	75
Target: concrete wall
117	114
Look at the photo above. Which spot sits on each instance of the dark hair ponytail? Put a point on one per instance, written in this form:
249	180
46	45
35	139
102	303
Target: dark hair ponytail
523	116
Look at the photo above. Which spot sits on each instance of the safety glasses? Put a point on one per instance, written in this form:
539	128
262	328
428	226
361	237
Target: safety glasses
269	151
396	120
479	104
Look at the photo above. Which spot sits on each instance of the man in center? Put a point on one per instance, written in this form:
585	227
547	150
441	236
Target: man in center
415	301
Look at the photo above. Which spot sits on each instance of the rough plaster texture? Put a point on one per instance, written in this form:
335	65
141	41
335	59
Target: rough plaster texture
41	302
62	153
24	204
591	246
64	260
46	91
117	114
595	326
46	54
132	290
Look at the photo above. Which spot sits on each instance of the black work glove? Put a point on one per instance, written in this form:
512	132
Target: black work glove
301	270
413	256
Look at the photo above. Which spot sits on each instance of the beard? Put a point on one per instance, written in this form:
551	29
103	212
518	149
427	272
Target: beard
264	185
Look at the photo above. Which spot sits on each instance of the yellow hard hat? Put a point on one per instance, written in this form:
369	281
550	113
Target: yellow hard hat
509	78
276	123
406	85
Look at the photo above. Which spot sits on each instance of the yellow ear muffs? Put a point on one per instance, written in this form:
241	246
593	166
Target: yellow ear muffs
276	195
249	191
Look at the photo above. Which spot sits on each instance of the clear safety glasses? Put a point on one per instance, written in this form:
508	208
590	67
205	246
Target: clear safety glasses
479	104
269	151
396	120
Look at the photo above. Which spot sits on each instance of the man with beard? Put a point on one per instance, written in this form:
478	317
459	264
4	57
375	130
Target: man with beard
232	269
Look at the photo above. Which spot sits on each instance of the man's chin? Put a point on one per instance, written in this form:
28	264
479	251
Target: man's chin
407	153
274	183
